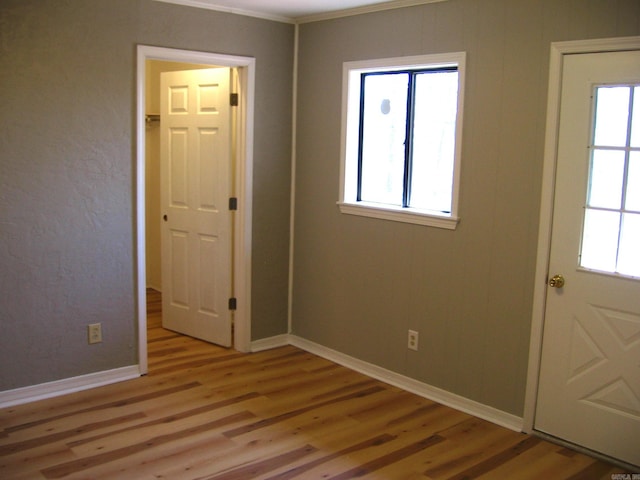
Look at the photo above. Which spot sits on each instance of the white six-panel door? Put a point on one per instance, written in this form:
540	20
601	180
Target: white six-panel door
195	181
589	386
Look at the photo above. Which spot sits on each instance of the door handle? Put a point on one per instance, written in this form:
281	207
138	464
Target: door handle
557	281
165	218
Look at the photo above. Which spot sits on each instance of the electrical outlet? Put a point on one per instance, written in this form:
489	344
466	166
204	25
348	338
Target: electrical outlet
412	342
95	333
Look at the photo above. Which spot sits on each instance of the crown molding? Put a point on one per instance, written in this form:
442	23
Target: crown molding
236	11
316	17
378	7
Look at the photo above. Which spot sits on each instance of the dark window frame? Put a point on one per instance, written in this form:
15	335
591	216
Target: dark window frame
409	126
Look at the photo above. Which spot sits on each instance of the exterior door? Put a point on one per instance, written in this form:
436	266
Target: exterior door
589	385
195	178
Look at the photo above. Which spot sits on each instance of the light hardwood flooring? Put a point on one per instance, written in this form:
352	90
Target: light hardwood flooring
206	412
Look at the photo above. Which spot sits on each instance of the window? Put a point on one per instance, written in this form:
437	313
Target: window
401	139
611	230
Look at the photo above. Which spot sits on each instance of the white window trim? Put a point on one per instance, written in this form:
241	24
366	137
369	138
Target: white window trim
348	148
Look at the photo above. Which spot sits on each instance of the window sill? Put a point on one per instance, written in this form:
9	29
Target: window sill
404	215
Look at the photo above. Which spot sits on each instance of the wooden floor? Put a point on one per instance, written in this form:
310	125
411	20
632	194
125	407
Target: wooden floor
205	412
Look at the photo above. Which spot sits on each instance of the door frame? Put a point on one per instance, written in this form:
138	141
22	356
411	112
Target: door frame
243	187
558	51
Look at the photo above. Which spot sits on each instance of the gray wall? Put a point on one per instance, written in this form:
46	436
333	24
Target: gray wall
67	165
359	283
67	174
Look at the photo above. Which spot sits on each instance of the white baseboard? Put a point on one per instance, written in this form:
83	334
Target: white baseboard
449	399
84	382
269	343
22	395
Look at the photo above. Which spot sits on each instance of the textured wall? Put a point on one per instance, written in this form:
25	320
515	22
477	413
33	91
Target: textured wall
360	283
67	164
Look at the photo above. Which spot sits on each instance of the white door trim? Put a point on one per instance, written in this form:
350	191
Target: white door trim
243	188
558	50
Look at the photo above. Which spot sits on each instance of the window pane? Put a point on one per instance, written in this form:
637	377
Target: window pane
635	126
629	256
633	182
606	179
384	119
436	103
612	116
600	240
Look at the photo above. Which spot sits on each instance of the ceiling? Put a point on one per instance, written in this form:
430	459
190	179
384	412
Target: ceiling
299	11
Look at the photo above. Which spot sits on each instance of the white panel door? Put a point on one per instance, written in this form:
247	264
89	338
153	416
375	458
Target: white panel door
196	228
589	386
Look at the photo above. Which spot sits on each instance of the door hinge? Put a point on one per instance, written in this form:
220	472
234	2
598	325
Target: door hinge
233	303
233	203
234	100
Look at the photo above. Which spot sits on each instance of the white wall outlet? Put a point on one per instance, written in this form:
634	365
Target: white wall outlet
95	333
412	342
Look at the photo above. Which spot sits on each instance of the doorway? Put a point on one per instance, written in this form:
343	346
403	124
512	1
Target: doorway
242	144
584	384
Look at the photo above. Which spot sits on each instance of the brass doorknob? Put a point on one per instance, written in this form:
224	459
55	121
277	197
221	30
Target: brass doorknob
557	281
